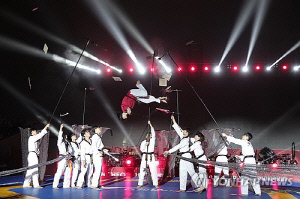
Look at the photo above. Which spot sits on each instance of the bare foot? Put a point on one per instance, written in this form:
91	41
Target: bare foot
139	186
55	188
39	187
180	190
79	187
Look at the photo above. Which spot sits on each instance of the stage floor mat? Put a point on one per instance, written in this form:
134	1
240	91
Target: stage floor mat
118	187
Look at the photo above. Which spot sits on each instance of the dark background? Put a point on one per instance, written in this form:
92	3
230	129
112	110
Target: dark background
265	104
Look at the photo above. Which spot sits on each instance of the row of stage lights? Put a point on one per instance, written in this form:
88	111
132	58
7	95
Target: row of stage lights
218	69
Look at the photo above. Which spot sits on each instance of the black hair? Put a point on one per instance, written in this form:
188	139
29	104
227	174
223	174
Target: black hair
33	130
249	135
84	131
200	135
189	130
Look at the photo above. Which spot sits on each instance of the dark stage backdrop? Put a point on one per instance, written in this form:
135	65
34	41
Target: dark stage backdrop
267	105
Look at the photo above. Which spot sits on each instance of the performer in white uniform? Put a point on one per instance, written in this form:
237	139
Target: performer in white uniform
147	148
222	158
97	146
33	158
86	152
62	164
75	153
199	153
139	94
248	159
185	167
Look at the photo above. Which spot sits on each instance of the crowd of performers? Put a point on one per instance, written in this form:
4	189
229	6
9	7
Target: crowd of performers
87	153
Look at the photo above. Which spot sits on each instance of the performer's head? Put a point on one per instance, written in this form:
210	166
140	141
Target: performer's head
73	137
186	132
125	114
86	133
148	136
97	130
199	136
34	132
247	136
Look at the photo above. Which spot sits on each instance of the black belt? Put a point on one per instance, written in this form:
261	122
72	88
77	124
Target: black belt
248	156
181	153
149	153
100	150
88	154
200	156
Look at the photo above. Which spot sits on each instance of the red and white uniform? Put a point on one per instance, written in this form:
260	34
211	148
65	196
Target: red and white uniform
139	94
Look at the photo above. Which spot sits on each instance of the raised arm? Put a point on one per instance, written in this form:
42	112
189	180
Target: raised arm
60	135
152	131
176	127
177	147
41	134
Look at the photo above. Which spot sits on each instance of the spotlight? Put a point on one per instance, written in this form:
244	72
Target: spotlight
206	68
193	68
296	68
179	69
245	69
108	70
217	69
128	162
257	68
269	68
235	68
274	165
131	70
152	69
284	67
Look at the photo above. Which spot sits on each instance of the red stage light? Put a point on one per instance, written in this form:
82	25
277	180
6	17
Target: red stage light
274	165
179	69
193	68
152	69
257	68
206	68
235	68
108	70
284	67
131	70
128	162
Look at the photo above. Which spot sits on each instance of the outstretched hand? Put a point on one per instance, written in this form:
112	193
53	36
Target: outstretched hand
224	134
47	126
61	127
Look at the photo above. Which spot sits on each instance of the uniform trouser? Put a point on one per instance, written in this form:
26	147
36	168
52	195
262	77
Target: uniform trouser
88	169
75	169
219	169
61	168
142	92
97	160
249	175
186	168
152	167
202	174
32	173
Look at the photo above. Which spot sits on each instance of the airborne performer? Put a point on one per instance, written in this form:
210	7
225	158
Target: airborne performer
185	167
33	152
248	159
147	148
140	94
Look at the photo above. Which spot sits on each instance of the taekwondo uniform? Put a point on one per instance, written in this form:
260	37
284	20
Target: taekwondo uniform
199	153
139	94
63	148
86	152
33	159
75	153
248	159
185	167
222	158
97	146
149	154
